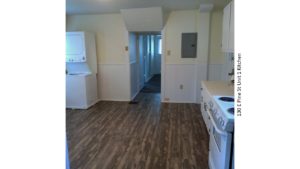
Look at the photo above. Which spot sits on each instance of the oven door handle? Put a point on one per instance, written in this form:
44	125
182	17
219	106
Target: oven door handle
221	132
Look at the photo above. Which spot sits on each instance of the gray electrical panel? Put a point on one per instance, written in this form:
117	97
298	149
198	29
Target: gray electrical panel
189	45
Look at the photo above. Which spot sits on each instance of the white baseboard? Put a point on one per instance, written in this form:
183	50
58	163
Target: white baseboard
115	100
95	102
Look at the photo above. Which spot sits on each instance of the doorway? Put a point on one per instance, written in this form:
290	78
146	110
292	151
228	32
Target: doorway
148	49
150	62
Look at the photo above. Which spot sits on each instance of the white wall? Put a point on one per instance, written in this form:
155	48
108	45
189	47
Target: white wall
179	22
189	71
180	74
178	71
111	35
113	59
113	80
215	53
218	62
157	57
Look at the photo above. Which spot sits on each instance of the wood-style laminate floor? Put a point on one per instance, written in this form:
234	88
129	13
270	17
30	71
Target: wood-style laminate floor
147	135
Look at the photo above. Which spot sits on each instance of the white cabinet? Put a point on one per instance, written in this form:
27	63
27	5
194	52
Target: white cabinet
204	107
81	91
228	28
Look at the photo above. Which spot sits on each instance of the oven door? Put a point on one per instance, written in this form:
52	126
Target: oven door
219	147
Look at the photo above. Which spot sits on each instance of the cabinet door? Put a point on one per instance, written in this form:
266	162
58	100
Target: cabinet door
75	47
231	28
226	27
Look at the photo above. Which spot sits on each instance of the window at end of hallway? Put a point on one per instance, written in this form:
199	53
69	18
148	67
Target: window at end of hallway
159	46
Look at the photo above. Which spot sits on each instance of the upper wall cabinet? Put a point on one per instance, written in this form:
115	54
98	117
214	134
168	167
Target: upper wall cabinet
75	47
228	28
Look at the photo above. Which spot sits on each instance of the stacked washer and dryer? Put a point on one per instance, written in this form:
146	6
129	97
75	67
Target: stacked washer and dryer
217	108
81	70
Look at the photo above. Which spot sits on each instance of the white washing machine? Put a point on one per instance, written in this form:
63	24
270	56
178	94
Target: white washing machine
81	90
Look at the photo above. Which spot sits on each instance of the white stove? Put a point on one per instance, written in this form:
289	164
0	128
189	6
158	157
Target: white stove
222	108
217	108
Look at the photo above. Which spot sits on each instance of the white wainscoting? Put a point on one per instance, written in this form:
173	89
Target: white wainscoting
113	82
180	74
227	66
212	72
215	72
116	84
189	75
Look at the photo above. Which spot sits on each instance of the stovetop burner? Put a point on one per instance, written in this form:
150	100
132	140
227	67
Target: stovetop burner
231	110
225	103
226	99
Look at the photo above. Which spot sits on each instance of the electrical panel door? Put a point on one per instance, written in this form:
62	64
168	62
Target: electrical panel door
189	45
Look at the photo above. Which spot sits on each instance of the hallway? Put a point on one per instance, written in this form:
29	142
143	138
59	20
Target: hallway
153	85
149	135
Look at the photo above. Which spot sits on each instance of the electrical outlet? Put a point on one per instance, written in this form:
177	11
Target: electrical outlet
181	86
167	99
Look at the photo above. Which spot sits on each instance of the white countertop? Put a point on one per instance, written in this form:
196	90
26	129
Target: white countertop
220	88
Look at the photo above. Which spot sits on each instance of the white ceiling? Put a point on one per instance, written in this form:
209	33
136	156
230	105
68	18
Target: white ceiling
114	6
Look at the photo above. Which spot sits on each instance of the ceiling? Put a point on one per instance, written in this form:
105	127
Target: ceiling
114	6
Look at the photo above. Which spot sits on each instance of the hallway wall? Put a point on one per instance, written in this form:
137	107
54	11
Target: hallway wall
134	72
157	57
